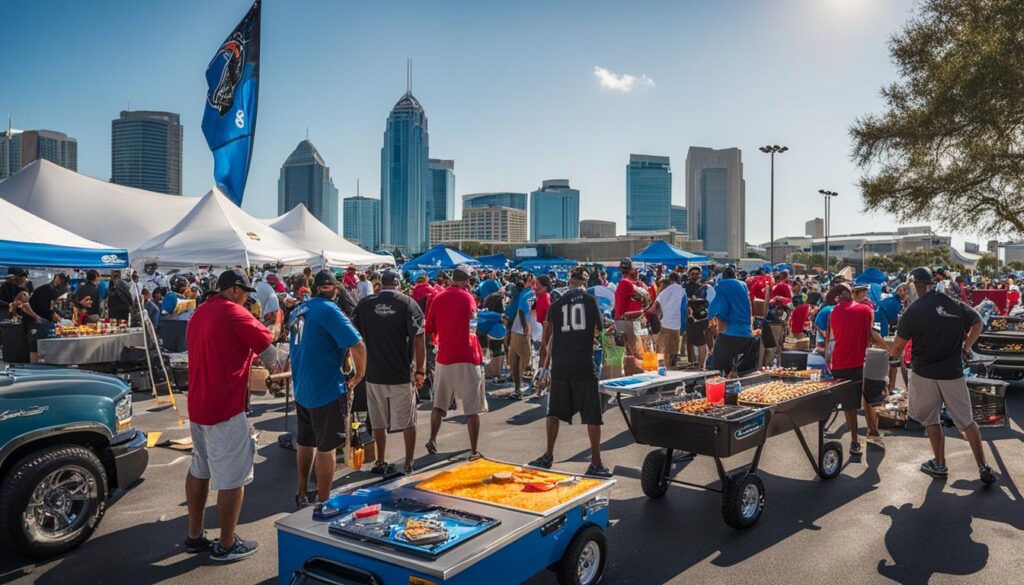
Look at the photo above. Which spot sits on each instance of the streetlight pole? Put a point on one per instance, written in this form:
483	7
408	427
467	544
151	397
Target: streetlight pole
772	150
828	220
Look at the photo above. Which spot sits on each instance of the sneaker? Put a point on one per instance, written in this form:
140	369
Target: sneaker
301	503
855	449
382	468
474	455
544	461
876	440
598	471
932	468
432	447
197	545
408	469
242	549
987	475
517	395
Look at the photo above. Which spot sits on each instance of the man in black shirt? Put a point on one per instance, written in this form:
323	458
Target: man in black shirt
43	297
696	318
17	281
89	289
571	331
119	300
936	324
391	324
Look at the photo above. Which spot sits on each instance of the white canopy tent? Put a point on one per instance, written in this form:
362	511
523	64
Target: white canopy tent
220	234
117	216
310	233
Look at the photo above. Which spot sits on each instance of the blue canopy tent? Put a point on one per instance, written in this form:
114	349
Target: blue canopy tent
498	261
437	259
27	240
661	252
783	266
538	266
872	276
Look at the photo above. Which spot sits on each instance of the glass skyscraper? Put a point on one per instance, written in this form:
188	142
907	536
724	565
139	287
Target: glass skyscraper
679	219
10	152
648	193
441	203
405	178
555	211
145	151
306	178
502	199
716	200
361	221
56	147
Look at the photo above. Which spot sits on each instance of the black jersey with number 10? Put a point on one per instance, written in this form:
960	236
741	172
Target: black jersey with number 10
575	321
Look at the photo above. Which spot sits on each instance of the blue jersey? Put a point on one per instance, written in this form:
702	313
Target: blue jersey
821	321
732	305
887	311
320	336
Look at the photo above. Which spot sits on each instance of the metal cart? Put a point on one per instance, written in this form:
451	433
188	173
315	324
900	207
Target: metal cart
727	431
568	539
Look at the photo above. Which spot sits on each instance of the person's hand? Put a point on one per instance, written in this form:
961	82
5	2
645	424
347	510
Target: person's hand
418	379
353	382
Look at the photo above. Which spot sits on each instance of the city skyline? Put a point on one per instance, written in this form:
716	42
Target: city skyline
730	94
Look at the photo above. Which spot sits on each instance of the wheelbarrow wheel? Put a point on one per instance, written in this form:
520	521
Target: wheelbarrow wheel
831	461
743	500
583	562
652	476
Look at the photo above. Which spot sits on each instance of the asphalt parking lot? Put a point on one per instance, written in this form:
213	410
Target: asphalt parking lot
880	521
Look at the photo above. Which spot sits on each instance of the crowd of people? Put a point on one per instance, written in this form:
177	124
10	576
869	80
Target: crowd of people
383	341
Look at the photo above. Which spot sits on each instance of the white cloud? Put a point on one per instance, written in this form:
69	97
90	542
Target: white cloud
624	82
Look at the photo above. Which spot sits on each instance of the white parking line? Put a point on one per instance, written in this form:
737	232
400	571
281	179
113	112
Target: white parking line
176	461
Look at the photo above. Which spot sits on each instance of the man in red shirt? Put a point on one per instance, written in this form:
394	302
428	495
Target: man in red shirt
850	327
222	338
782	288
350	280
458	373
543	301
629	305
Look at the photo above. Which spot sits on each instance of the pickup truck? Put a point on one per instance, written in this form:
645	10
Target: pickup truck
66	444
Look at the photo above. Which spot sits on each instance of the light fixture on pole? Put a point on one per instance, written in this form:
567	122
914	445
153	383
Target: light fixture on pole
828	211
772	150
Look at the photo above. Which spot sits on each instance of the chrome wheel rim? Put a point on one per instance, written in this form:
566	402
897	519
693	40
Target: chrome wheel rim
60	505
830	462
589	562
751	501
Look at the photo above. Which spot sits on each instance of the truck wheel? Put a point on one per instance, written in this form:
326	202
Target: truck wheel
831	461
652	475
743	500
584	560
52	501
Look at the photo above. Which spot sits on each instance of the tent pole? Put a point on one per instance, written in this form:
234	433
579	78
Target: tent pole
163	367
145	344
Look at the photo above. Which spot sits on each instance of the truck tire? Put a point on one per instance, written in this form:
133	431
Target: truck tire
583	562
652	475
743	500
52	501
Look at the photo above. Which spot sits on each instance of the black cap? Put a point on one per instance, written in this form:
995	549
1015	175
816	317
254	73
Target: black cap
236	277
390	278
17	271
324	278
461	274
729	271
626	264
922	275
63	276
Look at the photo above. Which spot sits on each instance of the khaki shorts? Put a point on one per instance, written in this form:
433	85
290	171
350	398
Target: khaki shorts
520	353
223	453
926	396
629	330
464	382
391	406
668	342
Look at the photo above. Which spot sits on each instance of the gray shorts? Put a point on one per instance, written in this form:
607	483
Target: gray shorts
926	396
223	453
391	406
464	382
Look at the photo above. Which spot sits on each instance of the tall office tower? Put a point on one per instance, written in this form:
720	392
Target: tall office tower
362	221
597	228
679	219
441	203
716	199
815	228
405	177
56	147
555	211
306	178
500	199
648	193
10	151
145	151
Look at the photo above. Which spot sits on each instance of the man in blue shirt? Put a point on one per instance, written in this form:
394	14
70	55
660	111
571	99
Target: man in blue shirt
821	327
887	310
488	286
321	335
736	348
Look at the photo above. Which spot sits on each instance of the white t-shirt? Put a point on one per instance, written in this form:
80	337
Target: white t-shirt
671	302
266	297
364	289
605	292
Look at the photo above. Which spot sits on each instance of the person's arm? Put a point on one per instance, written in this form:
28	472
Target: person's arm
358	353
972	336
419	347
897	347
545	354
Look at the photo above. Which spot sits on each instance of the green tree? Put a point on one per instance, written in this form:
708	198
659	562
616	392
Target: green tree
950	145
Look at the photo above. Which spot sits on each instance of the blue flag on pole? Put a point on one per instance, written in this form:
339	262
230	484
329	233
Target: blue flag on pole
229	122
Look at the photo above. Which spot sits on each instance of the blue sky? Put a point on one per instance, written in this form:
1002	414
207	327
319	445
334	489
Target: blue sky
509	88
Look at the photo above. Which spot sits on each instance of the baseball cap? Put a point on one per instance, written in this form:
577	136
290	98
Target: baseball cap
922	275
236	277
390	277
461	274
580	273
834	292
626	264
324	278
